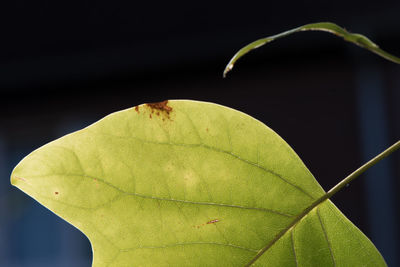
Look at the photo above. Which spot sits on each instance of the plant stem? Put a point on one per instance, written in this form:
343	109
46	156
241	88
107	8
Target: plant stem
328	195
362	169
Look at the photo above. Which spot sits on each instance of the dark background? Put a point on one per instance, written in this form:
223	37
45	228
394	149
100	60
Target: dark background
64	65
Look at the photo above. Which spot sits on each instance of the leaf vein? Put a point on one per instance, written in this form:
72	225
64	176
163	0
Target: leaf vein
219	151
326	237
166	199
293	247
189	244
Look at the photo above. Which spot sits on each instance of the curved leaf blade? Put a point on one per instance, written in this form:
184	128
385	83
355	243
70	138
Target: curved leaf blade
354	38
188	183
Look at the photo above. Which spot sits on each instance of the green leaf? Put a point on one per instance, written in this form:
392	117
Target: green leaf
354	38
186	183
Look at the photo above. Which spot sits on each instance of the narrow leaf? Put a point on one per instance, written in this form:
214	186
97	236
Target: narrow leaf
186	183
354	38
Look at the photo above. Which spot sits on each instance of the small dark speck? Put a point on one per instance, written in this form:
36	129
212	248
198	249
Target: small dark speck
56	193
213	221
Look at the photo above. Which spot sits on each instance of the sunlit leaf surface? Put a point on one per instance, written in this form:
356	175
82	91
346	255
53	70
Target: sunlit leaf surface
185	183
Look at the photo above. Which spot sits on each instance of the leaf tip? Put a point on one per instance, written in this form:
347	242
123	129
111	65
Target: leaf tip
18	178
15	180
227	69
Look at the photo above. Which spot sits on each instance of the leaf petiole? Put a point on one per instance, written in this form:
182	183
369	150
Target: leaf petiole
362	169
328	195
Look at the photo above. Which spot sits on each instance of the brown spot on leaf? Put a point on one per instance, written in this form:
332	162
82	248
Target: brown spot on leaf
209	222
137	109
213	221
160	106
160	109
56	193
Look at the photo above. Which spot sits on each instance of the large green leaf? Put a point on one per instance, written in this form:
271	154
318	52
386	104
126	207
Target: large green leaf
185	183
355	38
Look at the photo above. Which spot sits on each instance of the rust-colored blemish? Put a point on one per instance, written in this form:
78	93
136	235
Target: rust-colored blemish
209	222
213	221
160	107
207	129
56	193
137	109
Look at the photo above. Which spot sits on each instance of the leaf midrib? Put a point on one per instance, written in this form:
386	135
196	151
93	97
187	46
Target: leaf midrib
155	197
188	244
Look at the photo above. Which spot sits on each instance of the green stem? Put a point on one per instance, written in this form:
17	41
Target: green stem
328	195
362	169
